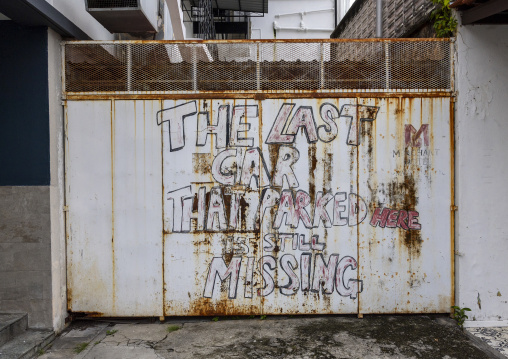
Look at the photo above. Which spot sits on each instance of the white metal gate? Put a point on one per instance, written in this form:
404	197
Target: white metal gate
190	201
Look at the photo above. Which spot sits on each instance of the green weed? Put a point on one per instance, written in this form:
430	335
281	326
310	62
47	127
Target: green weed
444	22
459	314
80	347
172	328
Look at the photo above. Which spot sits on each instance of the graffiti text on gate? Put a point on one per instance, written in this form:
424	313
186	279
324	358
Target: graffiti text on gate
246	196
231	132
327	276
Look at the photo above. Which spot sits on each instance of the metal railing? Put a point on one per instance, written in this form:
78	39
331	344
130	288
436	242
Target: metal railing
376	65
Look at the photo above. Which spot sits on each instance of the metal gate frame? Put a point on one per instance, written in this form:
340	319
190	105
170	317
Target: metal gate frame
257	94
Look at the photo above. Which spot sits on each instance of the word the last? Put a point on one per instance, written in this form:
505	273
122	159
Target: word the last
232	129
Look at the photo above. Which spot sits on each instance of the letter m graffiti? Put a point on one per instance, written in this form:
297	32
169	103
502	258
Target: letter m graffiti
218	268
414	138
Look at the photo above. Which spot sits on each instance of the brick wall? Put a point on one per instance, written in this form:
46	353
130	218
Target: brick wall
401	18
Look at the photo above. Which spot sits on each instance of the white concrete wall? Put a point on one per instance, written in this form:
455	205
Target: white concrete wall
56	189
263	27
482	172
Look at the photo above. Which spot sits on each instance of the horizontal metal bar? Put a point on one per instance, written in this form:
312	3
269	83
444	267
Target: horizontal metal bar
301	28
304	12
185	42
250	95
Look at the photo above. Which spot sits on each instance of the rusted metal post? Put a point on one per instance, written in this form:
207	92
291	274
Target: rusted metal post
387	65
452	65
194	60
321	66
64	86
129	67
258	68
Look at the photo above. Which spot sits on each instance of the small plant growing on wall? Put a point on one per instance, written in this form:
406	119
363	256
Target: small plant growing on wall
442	17
459	314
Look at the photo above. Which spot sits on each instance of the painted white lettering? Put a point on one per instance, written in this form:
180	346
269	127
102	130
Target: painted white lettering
320	213
254	172
287	157
329	131
224	167
288	263
357	114
269	284
216	210
181	208
218	268
175	116
240	125
276	135
324	274
304	118
353	286
219	130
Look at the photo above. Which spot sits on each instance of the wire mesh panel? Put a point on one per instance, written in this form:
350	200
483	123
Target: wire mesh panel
290	66
234	69
160	67
95	67
355	65
257	66
419	65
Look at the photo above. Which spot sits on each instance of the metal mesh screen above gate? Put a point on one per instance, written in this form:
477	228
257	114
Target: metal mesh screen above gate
387	65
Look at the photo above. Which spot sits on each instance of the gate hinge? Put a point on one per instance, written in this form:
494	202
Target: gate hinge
454	208
65	208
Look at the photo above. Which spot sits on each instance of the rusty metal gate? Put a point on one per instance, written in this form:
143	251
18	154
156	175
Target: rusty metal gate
263	177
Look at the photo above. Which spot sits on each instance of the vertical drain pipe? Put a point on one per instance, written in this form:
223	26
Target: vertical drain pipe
379	19
336	15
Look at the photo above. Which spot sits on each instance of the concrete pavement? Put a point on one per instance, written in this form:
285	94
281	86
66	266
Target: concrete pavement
389	336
